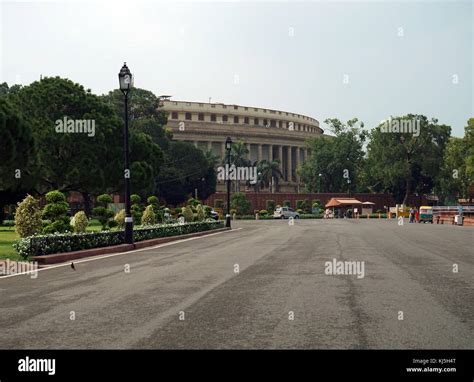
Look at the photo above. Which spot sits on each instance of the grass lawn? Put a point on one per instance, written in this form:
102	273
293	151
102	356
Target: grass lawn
7	237
94	226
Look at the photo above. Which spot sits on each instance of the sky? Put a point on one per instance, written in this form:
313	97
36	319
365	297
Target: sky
325	59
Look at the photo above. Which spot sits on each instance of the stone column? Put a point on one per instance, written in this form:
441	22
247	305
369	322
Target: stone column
223	150
259	158
270	153
196	144
209	145
249	148
298	159
280	157
290	165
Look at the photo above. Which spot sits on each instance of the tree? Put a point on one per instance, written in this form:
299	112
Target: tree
270	174
457	173
339	158
403	163
85	162
17	149
239	158
182	172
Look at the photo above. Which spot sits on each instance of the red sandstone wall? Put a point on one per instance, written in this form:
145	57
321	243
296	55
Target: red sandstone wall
258	200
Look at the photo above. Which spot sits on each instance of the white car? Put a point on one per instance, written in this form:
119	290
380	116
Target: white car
285	213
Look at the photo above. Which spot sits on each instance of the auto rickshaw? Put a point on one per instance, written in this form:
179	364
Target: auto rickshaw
426	214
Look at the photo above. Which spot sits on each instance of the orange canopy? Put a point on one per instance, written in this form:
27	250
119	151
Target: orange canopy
341	202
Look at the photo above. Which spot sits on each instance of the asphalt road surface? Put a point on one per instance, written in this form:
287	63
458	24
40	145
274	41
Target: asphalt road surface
261	286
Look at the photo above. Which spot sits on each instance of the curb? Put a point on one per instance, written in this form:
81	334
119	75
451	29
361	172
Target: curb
69	256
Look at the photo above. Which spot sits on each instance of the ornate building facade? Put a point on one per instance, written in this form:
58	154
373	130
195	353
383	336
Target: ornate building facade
268	134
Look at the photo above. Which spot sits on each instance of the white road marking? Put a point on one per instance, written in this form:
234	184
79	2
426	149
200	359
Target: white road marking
117	254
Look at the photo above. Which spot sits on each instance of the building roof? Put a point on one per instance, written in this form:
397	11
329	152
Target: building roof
338	202
368	204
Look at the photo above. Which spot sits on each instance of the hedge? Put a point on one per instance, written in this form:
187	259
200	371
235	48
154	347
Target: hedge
59	243
372	216
310	216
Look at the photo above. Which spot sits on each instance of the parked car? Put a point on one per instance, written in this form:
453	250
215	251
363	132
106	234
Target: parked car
285	213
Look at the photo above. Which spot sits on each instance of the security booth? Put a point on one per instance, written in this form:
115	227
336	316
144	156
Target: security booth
343	207
368	208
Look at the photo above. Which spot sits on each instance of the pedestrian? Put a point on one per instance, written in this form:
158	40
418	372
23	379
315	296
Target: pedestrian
412	215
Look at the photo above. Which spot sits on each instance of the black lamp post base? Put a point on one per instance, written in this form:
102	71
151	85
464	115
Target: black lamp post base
129	233
227	221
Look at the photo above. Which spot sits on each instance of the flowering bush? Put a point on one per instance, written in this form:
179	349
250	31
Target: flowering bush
200	213
28	217
188	214
149	217
79	222
58	243
120	218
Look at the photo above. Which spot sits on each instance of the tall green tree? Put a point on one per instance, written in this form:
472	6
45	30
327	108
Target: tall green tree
405	163
339	158
17	148
456	177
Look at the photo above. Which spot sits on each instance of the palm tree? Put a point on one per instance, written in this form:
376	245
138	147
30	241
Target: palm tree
271	173
238	158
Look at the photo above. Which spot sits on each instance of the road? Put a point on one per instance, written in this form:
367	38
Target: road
190	295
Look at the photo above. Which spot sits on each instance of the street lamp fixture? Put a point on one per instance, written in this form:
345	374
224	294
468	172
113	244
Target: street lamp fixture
228	147
126	84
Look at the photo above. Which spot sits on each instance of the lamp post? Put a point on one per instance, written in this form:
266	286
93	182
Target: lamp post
228	146
126	83
319	183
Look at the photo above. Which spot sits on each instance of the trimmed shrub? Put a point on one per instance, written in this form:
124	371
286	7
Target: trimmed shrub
60	243
286	203
56	211
200	213
104	199
135	199
193	202
79	222
299	210
188	214
28	217
120	218
102	213
311	216
207	211
153	200
270	205
263	212
148	217
240	203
